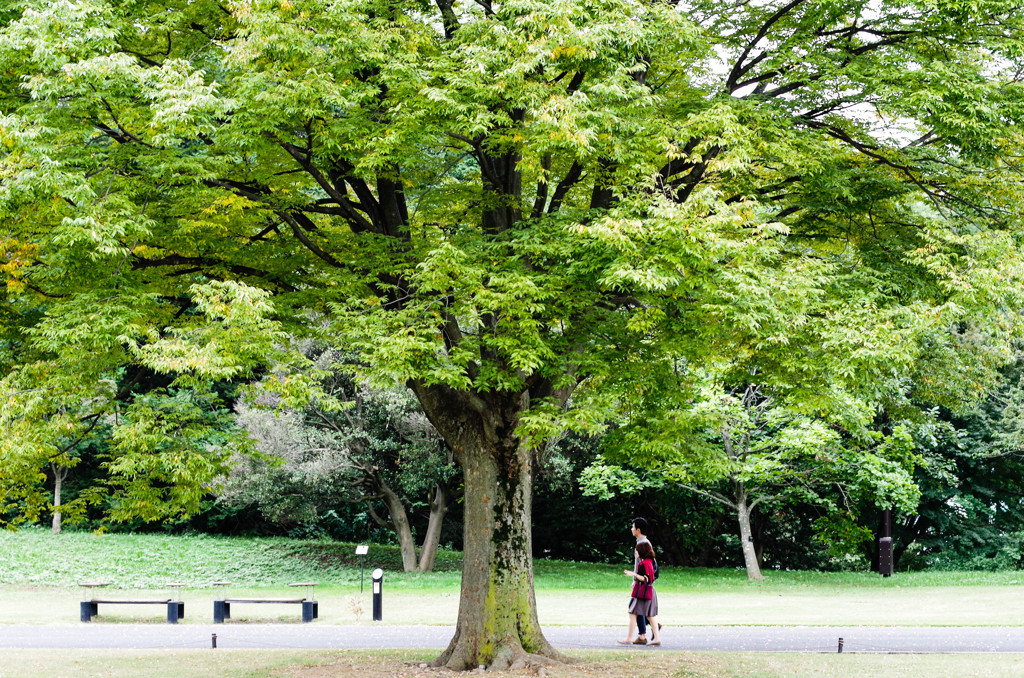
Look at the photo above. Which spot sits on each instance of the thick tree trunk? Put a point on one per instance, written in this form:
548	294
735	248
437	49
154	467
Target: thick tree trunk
438	510
746	536
497	625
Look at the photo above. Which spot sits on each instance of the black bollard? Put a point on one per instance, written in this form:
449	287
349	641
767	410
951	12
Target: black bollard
214	640
378	583
840	646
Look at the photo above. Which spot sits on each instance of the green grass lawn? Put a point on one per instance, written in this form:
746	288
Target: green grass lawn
39	573
35	557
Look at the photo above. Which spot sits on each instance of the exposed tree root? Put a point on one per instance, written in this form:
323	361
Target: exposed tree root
447	654
512	657
509	656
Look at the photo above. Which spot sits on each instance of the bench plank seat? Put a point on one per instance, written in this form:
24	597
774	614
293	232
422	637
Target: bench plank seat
175	608
222	608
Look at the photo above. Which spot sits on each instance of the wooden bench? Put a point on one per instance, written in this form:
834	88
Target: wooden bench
222	606
90	605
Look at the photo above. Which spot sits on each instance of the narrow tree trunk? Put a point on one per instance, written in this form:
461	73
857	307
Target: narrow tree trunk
757	531
432	539
58	481
497	625
400	523
746	536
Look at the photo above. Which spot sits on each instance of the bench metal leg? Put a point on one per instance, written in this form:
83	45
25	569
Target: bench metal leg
310	611
221	611
87	610
175	611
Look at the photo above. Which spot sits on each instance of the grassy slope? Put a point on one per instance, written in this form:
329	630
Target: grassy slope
37	557
39	573
33	556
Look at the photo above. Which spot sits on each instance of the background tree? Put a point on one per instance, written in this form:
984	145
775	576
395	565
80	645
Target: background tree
577	526
496	202
742	446
360	445
164	453
970	515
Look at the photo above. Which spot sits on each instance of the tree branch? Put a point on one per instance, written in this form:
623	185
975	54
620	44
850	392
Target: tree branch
571	178
714	496
738	69
293	221
448	18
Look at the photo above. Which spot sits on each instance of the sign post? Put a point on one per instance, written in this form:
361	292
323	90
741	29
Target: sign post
361	551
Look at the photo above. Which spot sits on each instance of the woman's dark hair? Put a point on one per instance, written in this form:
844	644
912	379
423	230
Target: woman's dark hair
645	550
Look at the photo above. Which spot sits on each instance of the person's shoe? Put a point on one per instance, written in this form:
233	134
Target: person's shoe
624	642
654	642
640	641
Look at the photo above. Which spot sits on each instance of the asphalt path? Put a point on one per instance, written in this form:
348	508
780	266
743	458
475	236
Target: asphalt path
892	639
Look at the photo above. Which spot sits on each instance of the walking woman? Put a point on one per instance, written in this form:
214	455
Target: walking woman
642	601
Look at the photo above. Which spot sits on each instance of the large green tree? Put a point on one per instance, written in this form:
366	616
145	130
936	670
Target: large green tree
495	202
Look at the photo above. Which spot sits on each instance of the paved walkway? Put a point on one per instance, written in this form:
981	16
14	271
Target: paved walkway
369	636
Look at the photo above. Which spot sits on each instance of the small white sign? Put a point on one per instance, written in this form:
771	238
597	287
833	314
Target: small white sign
378	574
362	550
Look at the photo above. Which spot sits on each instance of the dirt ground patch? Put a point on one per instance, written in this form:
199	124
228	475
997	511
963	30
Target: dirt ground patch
646	664
619	663
629	665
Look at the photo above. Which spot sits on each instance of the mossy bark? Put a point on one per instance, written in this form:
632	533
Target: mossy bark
497	625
